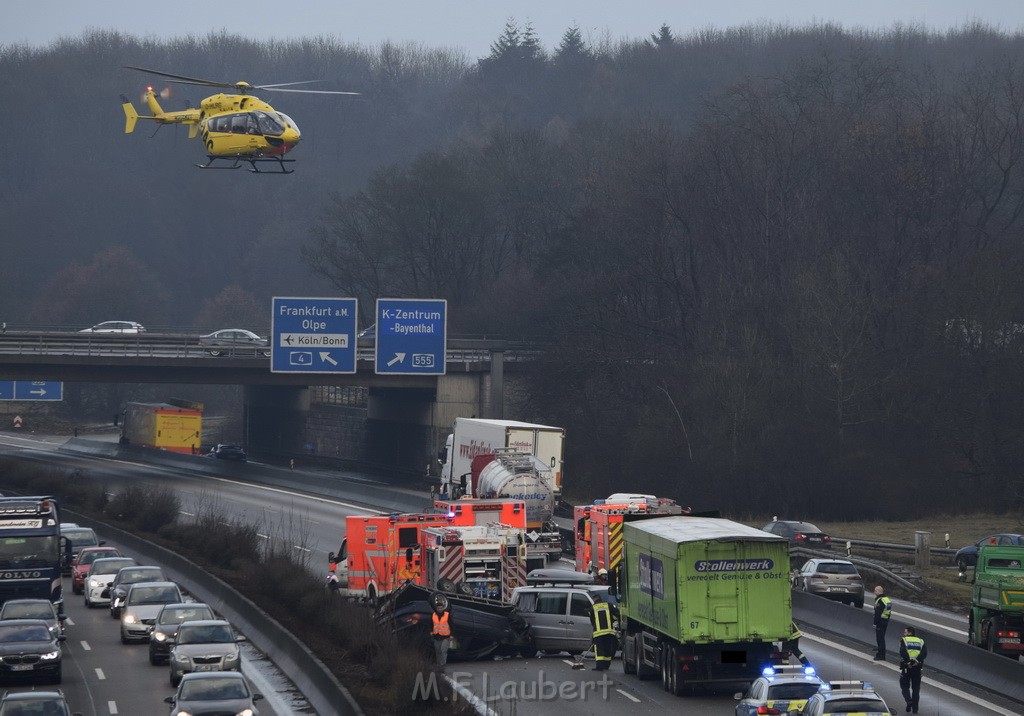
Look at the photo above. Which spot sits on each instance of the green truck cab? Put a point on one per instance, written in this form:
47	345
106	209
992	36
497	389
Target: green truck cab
996	621
702	600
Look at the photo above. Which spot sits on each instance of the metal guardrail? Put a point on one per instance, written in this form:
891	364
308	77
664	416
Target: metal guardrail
163	345
890	547
895	573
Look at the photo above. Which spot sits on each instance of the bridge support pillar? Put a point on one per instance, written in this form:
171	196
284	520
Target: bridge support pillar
275	418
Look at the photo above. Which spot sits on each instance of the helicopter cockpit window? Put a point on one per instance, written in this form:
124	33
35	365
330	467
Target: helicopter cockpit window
238	123
267	124
288	122
251	125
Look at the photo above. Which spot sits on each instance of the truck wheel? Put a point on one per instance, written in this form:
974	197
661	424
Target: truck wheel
643	672
990	639
663	663
628	665
677	683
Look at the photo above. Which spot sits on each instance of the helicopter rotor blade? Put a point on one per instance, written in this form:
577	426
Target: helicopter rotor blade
182	78
286	84
237	86
299	91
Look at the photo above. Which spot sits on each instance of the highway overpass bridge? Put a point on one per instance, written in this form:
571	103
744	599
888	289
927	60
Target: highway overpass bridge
400	409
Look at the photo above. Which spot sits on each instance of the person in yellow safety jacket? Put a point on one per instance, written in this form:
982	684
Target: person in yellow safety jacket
883	610
912	655
604	635
792	644
442	635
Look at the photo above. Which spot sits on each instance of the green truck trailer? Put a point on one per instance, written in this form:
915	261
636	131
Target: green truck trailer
702	600
996	621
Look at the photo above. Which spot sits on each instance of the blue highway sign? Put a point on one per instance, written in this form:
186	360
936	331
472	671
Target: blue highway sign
31	390
313	335
411	336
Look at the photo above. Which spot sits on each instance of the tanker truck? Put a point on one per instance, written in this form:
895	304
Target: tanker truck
471	437
509	459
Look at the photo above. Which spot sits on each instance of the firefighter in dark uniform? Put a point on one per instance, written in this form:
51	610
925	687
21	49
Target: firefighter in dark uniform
912	655
604	635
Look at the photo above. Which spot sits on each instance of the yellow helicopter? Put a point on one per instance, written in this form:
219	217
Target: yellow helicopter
237	128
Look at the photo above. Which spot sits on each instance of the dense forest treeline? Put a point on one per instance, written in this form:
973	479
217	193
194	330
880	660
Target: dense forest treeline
777	268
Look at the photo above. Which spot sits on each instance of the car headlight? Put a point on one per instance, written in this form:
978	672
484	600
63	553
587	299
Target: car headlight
129	618
51	655
245	712
159	636
231	658
95	583
180	658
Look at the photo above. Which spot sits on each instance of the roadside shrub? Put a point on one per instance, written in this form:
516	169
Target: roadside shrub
145	507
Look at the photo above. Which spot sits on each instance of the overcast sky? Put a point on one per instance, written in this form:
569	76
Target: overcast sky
471	25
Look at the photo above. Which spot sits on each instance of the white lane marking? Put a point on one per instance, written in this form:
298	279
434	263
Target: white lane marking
301	549
632	698
100	675
69	621
934	625
570	662
85	646
187	514
478	705
931	682
112	705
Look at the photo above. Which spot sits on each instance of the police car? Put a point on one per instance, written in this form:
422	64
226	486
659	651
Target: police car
846	698
779	690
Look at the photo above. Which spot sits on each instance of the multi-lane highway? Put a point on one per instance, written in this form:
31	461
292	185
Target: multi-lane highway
536	686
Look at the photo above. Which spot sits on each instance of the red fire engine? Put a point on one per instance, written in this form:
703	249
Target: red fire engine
469	511
486	561
599	527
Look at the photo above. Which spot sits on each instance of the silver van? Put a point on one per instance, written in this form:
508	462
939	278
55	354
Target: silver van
559	615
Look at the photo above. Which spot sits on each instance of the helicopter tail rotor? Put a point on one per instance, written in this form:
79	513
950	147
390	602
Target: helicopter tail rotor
165	93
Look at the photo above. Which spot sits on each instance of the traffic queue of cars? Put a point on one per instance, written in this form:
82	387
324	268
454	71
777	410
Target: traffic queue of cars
202	651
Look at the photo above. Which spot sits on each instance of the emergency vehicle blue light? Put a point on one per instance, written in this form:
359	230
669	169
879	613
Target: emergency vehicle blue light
809	671
767	671
451	515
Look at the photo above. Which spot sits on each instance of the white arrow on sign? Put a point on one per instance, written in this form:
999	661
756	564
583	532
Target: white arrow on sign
41	392
326	357
399	357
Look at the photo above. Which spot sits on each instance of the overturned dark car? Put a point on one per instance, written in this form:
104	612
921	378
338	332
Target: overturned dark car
480	627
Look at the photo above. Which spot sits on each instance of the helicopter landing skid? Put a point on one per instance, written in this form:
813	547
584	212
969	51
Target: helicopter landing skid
251	161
